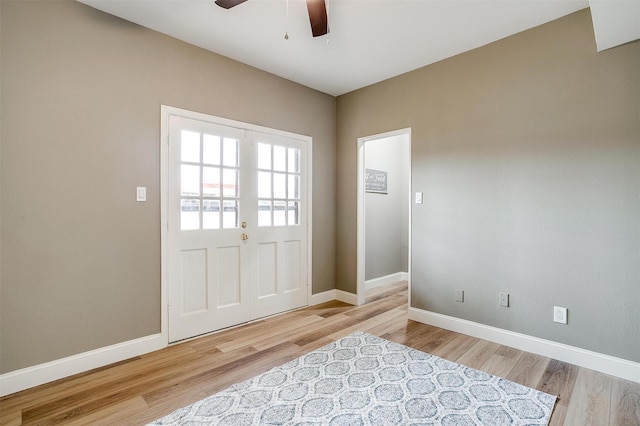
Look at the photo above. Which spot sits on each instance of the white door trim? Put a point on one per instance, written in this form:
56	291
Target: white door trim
167	111
361	255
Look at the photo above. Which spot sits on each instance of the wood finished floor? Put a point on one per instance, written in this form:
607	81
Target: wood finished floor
147	387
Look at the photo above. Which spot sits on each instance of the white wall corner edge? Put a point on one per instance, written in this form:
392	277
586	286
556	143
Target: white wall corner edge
607	364
16	381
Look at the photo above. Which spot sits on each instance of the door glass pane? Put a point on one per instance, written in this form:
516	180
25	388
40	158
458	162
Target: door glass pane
230	182
279	158
278	192
264	213
264	156
211	181
293	209
230	214
279	213
190	146
189	180
230	152
211	150
279	185
189	214
293	187
264	184
211	214
294	160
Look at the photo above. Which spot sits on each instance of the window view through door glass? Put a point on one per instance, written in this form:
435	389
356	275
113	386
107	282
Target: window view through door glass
278	185
209	176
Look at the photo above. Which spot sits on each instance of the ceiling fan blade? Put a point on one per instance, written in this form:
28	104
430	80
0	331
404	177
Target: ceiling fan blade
228	4
318	17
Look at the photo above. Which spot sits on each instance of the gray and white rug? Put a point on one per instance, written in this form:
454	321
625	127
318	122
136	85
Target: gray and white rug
365	380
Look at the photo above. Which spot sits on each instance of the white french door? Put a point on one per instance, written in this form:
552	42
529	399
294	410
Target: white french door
279	250
237	225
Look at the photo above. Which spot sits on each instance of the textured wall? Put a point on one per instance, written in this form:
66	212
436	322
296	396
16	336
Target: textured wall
81	96
528	154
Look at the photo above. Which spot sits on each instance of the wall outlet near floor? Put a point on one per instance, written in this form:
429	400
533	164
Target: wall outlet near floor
504	299
560	315
459	295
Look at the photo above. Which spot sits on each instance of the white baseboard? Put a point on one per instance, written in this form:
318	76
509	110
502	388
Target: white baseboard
346	297
352	299
607	364
325	296
16	381
19	380
388	279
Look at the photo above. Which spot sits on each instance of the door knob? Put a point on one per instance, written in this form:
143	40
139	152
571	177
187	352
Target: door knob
244	237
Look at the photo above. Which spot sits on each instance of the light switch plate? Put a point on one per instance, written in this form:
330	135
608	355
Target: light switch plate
141	193
418	197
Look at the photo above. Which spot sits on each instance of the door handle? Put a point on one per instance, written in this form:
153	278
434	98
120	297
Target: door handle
244	237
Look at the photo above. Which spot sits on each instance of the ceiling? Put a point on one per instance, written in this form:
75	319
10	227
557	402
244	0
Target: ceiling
369	40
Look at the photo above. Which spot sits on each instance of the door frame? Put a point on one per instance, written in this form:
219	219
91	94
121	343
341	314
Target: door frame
167	111
361	213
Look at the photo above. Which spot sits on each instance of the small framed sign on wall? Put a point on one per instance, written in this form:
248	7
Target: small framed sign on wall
375	181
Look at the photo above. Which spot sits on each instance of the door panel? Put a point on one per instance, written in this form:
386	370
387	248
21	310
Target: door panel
227	277
292	261
267	275
194	281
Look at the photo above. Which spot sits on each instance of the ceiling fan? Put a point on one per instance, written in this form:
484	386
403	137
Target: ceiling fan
317	14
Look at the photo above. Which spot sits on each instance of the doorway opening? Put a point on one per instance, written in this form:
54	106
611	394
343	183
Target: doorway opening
384	210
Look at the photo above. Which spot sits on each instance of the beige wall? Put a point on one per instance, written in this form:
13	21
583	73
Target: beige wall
528	154
527	151
81	96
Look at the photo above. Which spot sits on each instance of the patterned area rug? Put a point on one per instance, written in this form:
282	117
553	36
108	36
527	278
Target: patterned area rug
365	380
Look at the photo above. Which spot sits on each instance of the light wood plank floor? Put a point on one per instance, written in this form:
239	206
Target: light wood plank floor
147	387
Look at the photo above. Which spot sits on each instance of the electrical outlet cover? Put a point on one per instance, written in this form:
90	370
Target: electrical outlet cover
504	299
560	315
